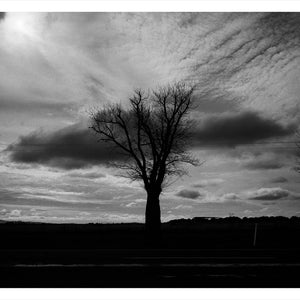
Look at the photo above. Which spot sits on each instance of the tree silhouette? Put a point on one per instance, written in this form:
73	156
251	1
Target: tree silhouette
153	135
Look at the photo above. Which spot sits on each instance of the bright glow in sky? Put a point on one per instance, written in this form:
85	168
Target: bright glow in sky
54	67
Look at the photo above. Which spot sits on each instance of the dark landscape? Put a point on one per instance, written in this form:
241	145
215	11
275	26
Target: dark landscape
199	252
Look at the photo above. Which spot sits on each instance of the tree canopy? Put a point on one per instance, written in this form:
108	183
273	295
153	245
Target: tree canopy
152	132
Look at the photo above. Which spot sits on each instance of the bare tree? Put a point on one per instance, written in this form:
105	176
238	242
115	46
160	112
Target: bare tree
153	134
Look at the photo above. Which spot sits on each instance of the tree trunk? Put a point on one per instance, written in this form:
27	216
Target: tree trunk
152	217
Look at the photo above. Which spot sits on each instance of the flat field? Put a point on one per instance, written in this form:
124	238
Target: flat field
189	253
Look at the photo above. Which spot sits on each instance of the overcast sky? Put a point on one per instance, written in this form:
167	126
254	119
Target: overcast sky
55	67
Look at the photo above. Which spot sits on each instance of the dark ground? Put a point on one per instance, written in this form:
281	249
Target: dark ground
191	253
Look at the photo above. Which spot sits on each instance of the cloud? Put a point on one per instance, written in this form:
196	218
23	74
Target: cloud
3	211
208	182
86	174
181	206
268	194
243	54
72	147
76	146
265	161
131	204
279	179
190	194
15	213
2	16
205	197
237	129
138	203
230	196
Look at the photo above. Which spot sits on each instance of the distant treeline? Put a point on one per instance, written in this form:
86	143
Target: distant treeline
234	219
183	221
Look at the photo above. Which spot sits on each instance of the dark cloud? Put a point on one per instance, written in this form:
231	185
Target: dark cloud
269	194
279	179
237	129
76	146
69	148
2	16
191	194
